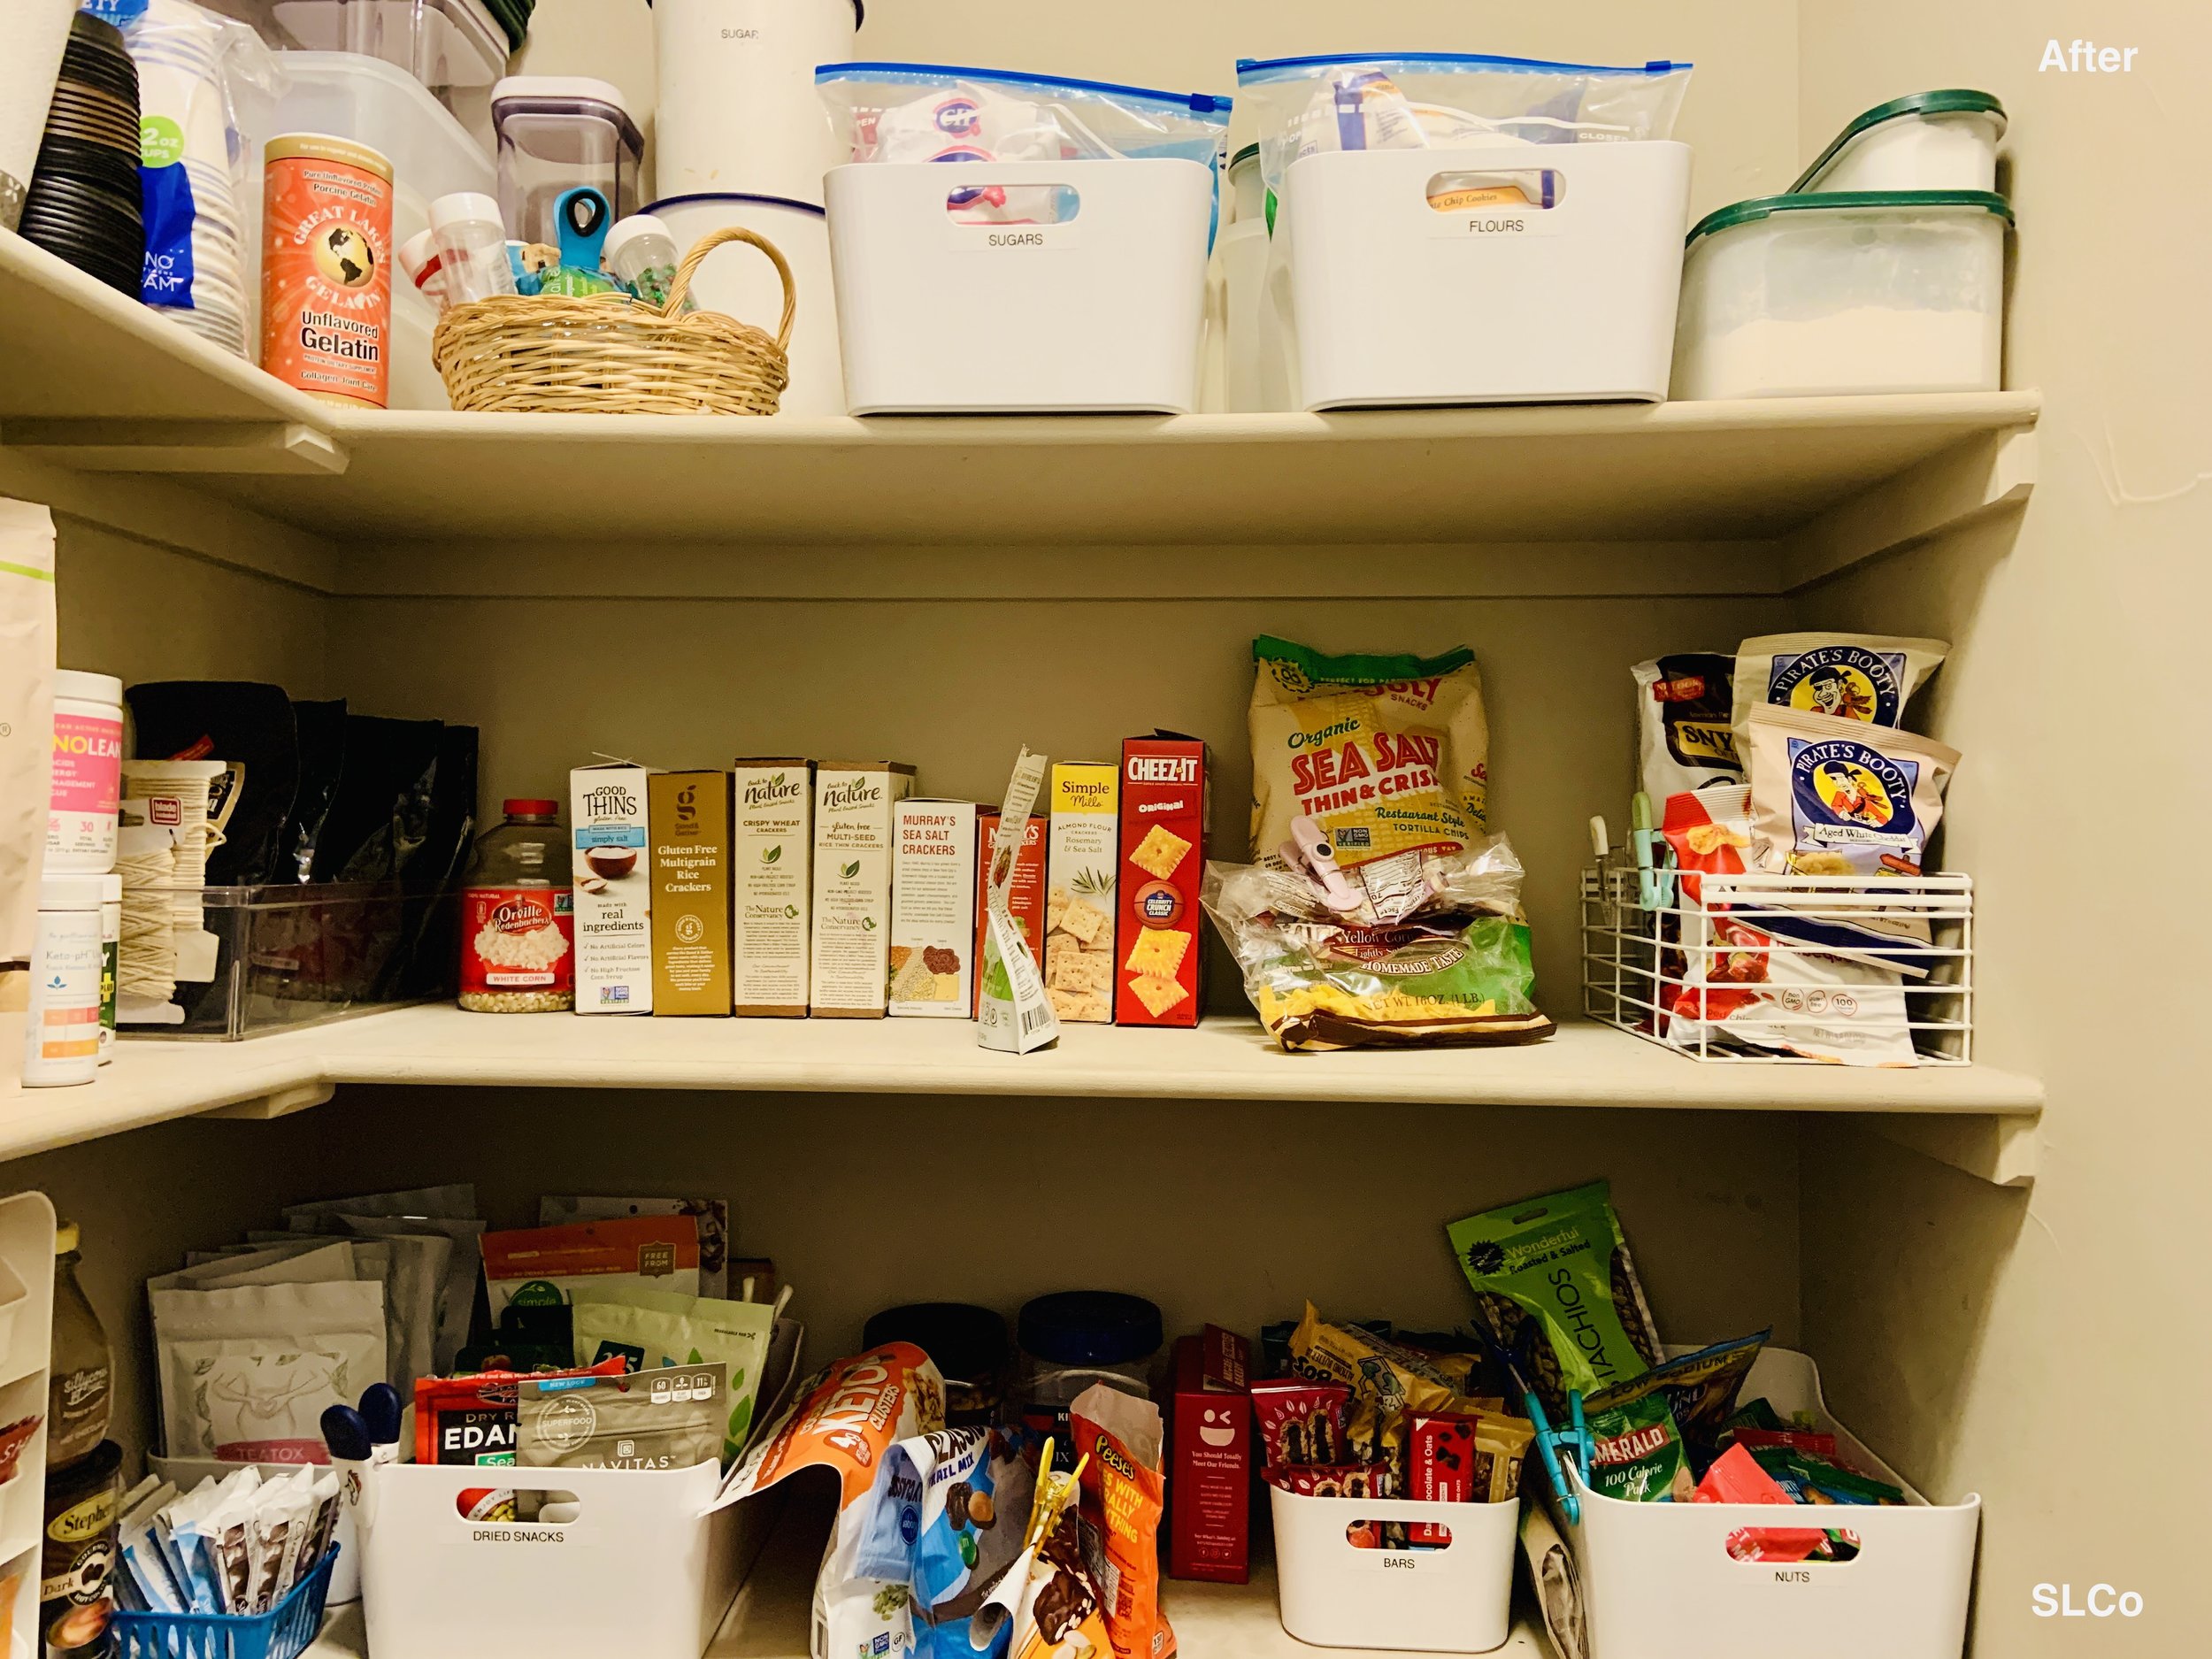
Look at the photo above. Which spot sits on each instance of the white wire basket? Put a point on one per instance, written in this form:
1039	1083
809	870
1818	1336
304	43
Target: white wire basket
1779	969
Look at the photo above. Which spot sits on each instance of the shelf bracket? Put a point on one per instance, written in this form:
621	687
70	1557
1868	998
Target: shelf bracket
2000	1149
1964	483
277	1103
203	447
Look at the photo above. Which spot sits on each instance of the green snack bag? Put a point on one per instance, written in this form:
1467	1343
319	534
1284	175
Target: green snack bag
1562	1263
1636	1453
651	1329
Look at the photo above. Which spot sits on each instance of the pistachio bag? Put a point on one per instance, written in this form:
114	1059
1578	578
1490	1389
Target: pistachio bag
651	1329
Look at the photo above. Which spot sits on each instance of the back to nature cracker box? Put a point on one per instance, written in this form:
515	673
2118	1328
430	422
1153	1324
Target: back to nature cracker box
1157	952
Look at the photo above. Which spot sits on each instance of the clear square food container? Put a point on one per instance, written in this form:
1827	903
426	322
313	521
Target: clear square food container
454	47
1844	292
225	962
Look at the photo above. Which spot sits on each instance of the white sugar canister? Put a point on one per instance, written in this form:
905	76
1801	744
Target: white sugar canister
737	109
61	1032
80	816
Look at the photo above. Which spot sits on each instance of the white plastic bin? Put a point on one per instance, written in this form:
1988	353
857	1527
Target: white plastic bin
1456	1598
1658	1581
640	1571
1812	296
737	281
1100	313
1243	255
1931	141
1398	302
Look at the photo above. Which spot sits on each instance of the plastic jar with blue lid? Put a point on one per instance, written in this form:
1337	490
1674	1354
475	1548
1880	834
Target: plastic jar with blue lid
1074	1339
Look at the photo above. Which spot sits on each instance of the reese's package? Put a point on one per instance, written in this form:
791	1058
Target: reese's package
1387	754
1560	1264
1119	1440
1865	677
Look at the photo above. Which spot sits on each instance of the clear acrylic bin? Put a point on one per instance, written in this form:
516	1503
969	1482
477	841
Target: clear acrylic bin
285	955
453	47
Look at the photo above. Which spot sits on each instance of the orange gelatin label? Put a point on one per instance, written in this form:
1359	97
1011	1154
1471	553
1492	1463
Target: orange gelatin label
325	281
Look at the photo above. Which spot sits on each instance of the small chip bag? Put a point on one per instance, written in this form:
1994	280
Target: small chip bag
1636	1453
1865	677
1124	1492
1700	1390
1389	755
1560	1264
1685	723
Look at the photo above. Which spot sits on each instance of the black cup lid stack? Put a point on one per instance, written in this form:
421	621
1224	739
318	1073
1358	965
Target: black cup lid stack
84	204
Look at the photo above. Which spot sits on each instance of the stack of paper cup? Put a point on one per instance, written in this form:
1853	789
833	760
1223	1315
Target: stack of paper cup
737	109
32	35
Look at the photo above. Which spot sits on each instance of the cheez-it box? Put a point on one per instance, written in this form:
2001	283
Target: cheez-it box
1156	948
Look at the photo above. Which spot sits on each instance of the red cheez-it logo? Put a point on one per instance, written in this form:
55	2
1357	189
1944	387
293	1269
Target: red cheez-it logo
1162	769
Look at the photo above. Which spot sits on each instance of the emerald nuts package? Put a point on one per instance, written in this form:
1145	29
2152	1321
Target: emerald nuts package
1556	1287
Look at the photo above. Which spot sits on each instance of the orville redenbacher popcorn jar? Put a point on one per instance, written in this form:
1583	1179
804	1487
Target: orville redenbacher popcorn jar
518	935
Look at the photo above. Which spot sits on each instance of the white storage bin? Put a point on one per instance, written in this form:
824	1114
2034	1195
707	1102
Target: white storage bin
1658	1581
1931	140
1100	313
1400	304
641	1571
1456	1599
738	282
1812	296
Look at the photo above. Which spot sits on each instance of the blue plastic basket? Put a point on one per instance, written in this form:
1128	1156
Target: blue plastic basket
282	1632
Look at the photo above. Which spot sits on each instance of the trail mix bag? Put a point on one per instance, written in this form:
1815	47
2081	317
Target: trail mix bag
1389	755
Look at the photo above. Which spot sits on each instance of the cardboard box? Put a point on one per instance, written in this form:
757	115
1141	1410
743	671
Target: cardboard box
1158	955
772	856
1079	865
1024	897
934	874
1210	1459
688	816
614	888
854	803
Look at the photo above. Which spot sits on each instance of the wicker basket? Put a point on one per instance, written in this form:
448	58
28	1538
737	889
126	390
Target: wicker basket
610	354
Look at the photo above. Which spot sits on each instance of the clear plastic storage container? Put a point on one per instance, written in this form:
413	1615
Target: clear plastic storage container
1072	1339
1931	141
557	134
1813	296
454	47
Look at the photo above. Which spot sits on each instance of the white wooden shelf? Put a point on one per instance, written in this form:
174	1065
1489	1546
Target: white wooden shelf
1772	494
1227	1059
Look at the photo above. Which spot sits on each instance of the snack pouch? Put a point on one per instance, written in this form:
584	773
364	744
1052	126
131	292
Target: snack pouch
1048	1596
1560	1264
946	1520
1636	1453
648	1330
1735	1477
1700	1389
1388	1382
1865	677
1686	723
1300	1421
540	1268
1389	755
1124	1492
670	1417
1833	797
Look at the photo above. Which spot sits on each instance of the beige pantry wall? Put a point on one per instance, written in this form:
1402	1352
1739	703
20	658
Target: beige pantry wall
2048	1349
1741	116
958	687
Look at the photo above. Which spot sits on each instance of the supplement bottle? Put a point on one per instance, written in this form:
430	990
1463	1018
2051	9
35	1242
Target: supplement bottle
517	929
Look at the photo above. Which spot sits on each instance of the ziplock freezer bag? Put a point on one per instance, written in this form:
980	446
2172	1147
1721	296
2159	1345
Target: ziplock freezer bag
941	113
1444	100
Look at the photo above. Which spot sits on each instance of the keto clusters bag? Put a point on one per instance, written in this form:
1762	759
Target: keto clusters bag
1387	755
1452	968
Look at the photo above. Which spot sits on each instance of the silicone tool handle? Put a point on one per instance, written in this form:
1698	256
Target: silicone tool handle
584	217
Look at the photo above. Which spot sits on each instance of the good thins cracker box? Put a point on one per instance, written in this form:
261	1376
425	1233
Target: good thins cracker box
772	850
855	807
934	874
1024	893
1210	1459
1079	884
688	816
614	889
1157	950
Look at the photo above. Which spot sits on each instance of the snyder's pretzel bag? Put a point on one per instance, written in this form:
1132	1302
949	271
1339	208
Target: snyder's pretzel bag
1560	1263
1389	755
1685	723
1865	677
1124	1492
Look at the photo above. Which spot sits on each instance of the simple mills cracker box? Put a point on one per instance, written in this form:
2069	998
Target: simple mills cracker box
1082	808
772	853
855	804
614	889
933	909
1156	948
688	816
